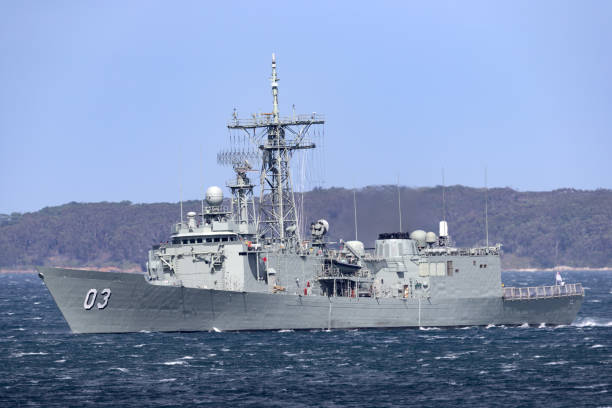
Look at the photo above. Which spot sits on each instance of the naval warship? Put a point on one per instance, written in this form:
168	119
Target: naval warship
246	263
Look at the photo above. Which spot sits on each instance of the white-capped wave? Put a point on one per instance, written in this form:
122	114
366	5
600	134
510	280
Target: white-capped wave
167	380
39	353
187	358
490	326
542	326
285	331
60	361
591	322
175	362
524	325
590	387
594	346
429	328
449	356
561	362
123	370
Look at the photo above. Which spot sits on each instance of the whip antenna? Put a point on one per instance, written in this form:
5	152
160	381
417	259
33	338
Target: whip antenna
399	203
355	210
486	209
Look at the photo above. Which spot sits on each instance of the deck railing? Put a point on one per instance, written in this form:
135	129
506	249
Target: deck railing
540	292
330	272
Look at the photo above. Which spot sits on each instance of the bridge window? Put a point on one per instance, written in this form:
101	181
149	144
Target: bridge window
449	268
199	240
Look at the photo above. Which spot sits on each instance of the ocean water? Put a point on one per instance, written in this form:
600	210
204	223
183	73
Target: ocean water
44	365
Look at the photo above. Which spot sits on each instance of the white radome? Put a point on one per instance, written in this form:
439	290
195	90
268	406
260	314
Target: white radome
418	235
214	195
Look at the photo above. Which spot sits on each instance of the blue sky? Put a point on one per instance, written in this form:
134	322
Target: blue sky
111	101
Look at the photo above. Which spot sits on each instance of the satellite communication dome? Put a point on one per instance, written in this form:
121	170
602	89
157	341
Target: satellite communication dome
419	236
214	196
430	237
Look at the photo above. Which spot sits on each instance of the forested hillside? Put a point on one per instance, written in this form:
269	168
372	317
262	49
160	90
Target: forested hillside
531	225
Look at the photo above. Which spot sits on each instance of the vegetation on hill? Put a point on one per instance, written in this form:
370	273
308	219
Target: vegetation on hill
537	229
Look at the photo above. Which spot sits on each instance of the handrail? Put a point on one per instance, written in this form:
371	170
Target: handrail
479	251
334	272
542	292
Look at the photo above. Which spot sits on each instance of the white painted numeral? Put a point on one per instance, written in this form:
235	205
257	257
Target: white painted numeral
106	293
90	299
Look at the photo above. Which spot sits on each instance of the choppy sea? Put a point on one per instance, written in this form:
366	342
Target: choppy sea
43	364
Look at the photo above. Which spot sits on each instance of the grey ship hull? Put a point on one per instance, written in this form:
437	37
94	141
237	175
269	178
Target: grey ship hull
136	305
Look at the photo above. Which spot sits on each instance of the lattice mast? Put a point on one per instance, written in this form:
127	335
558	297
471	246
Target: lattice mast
243	205
277	138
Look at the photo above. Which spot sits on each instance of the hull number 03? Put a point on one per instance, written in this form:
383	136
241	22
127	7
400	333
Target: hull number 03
92	294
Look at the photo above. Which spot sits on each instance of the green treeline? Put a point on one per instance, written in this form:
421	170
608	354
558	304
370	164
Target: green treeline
537	229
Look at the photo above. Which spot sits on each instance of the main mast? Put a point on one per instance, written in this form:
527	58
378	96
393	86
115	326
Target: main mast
276	138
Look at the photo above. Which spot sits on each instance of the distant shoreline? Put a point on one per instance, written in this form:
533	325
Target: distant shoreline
560	269
133	270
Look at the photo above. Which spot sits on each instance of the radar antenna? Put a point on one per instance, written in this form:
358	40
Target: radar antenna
277	138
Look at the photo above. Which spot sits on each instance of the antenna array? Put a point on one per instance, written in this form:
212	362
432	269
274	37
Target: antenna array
270	140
